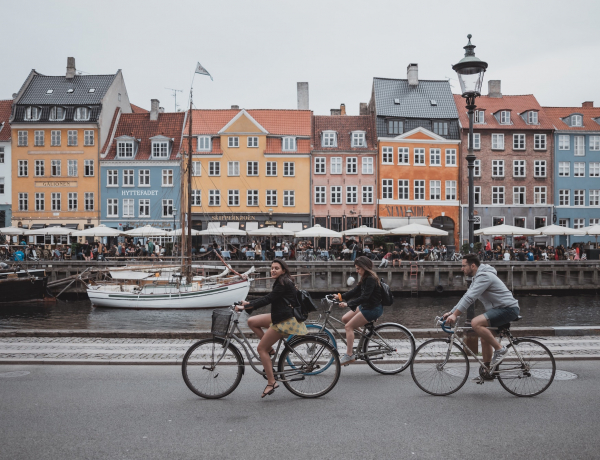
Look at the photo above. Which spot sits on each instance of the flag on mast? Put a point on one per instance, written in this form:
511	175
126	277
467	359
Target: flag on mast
202	71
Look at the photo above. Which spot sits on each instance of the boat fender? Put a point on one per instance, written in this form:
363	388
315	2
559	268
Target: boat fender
439	288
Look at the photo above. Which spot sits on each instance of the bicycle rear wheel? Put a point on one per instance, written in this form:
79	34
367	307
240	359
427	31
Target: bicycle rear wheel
438	369
314	329
210	370
389	349
314	375
530	375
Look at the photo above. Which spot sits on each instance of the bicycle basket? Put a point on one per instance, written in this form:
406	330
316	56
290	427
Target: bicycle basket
220	322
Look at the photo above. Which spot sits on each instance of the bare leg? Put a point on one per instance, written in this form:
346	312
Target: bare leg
258	322
488	341
355	320
264	346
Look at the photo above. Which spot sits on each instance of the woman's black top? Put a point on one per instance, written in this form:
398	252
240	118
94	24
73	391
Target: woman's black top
280	298
367	294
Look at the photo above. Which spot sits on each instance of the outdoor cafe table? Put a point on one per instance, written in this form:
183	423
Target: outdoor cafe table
250	255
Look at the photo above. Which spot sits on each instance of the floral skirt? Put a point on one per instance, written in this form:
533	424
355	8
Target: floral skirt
290	326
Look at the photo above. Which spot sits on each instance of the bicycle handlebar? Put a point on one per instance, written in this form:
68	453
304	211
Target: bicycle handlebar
439	321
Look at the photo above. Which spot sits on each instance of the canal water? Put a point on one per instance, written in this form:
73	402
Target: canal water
415	312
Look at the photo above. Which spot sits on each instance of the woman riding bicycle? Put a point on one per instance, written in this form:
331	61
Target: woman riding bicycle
367	297
280	322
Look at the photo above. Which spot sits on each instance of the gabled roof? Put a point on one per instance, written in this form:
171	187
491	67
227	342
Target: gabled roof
415	101
138	109
516	104
37	90
243	113
344	125
5	108
556	114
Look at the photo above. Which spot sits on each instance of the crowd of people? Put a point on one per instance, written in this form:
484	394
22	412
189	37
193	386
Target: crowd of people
527	252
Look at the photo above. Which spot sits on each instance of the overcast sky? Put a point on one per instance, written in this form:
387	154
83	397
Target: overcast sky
257	50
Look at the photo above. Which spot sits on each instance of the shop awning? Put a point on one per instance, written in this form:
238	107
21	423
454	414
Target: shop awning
235	225
251	226
387	223
34	226
213	225
293	226
72	226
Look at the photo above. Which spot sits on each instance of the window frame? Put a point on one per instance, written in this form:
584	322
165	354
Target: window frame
329	139
252	142
89	201
499	165
359	136
450	154
579	169
72	168
165	205
352	165
233	169
143	178
55	168
504	118
112	175
233	197
419	152
387	188
579	147
252	197
143	206
564	142
214	197
39	168
540	194
538	167
403	189
336	165
160	149
564	197
72	201
519	141
500	192
387	155
271	169
335	194
289	167
320	166
23	166
251	167
233	142
499	141
435	186
271	197
435	157
531	119
594	143
367	191
519	190
125	149
579	197
519	168
351	194
206	142
128	178
214	168
167	173
290	195
594	197
367	166
451	186
38	138
112	207
22	138
55	201
289	144
403	154
196	197
561	169
419	184
89	138
128	207
540	142
477	168
594	169
82	113
55	137
320	194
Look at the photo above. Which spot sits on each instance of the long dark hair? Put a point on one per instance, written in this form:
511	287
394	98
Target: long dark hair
286	271
367	265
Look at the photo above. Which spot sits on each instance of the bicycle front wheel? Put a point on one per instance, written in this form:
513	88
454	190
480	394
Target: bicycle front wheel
311	373
439	367
210	370
389	349
528	368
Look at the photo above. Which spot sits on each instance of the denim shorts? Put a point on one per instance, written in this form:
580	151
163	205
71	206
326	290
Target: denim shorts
499	316
373	314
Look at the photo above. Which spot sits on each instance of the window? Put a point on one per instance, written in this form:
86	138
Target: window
419	156
57	114
233	197
336	165
271	197
288	169
595	221
367	165
395	127
358	140
578	197
539	195
39	168
214	168
33	113
564	142
55	201
233	141
144	207
440	128
204	144
88	137
233	168
403	158
112	178
55	167
594	197
578	223
564	168
82	113
539	168
329	139
22	139
160	149
476	141
252	168
128	178
497	195
55	138
367	194
450	157
595	143
128	207
563	222
387	155
579	169
196	197
289	144
320	167
435	157
38	138
435	190
196	168
351	194
39	201
497	142
563	197
519	222
579	146
519	195
336	194
576	120
477	168
252	142
387	187
289	198
539	141
351	165
167	208
403	189
519	141
23	201
271	168
1	185
479	117
594	169
72	168
477	195
539	222
532	117
320	195
419	190
89	201
144	177
451	190
505	117
214	198
497	168
518	168
125	149
252	198
88	168
112	208
72	201
23	170
167	178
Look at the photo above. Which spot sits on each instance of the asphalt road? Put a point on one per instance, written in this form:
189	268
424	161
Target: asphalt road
147	412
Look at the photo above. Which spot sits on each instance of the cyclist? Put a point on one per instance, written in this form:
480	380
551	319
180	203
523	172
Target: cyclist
280	322
367	297
500	306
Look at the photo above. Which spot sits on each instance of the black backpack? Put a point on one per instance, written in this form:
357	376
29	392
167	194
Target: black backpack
387	297
304	306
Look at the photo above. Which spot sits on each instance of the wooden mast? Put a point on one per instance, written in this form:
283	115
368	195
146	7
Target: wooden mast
188	237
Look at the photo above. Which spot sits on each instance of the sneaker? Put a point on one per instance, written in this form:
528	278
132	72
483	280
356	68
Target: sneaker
499	355
347	359
478	380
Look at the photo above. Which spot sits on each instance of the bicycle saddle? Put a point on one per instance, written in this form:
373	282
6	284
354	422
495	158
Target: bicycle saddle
506	327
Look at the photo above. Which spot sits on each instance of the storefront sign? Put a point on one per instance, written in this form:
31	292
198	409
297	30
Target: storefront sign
139	192
270	222
400	211
57	183
232	218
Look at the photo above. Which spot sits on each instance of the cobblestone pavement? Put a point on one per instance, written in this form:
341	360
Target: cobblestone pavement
62	350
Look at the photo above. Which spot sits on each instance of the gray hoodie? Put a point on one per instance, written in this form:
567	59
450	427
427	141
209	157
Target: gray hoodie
488	288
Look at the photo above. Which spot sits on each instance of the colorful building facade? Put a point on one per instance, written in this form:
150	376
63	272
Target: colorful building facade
5	164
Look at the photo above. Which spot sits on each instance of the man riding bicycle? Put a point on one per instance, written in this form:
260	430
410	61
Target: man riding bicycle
500	306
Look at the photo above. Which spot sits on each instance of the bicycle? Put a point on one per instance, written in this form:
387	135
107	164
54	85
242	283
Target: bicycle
456	257
387	348
441	366
213	368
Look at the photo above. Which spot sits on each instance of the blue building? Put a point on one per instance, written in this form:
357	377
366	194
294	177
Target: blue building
576	168
140	170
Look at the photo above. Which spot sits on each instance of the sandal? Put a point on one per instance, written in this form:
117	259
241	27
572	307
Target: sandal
270	392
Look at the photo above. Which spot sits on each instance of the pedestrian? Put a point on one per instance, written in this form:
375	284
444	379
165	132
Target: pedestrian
385	260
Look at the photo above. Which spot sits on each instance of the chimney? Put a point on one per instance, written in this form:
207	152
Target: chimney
363	109
302	95
588	104
235	107
154	109
336	112
70	68
412	72
494	88
342	109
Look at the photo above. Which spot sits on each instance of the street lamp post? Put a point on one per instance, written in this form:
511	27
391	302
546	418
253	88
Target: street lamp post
470	72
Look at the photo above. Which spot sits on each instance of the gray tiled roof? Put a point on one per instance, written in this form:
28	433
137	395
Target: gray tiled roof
36	91
414	101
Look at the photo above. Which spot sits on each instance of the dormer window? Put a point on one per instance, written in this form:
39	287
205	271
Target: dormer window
329	139
358	139
125	149
576	120
288	144
479	117
204	144
440	128
57	114
395	127
532	117
33	113
160	149
82	113
505	117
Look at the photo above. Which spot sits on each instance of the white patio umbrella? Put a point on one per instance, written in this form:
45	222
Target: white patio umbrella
318	232
417	229
222	231
178	232
557	230
506	230
100	230
592	230
145	231
363	230
12	231
270	231
54	231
